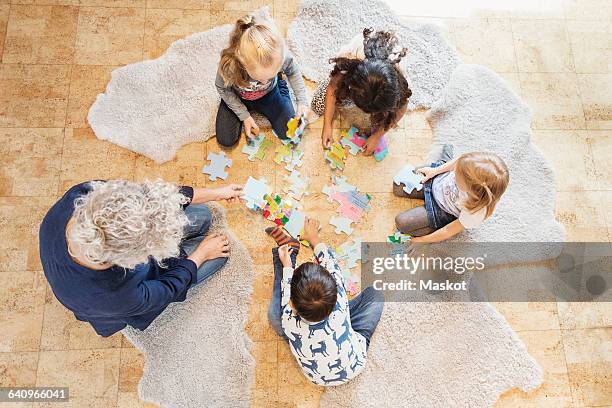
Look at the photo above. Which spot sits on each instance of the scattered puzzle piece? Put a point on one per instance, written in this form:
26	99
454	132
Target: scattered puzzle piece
216	168
399	238
341	184
350	251
352	286
257	147
409	178
281	152
336	156
352	140
342	224
295	128
297	185
352	204
254	192
381	150
295	224
277	210
328	191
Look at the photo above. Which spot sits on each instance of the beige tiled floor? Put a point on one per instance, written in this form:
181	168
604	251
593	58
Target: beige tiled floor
56	55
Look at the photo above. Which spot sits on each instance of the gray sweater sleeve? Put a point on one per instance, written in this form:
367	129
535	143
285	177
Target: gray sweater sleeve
231	99
294	76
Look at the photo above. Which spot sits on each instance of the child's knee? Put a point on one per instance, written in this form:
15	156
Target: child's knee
402	222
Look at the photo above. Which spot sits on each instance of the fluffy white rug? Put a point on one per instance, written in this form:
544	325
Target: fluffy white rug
477	111
465	354
156	106
321	27
439	355
196	352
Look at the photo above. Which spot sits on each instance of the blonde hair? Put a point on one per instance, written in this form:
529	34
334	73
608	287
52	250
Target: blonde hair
252	43
486	177
124	223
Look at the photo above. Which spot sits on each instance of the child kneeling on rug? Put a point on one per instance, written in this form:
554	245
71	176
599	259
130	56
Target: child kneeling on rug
328	334
459	194
367	75
249	79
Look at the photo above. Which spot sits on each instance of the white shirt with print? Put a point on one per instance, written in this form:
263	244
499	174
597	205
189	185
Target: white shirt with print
329	352
448	196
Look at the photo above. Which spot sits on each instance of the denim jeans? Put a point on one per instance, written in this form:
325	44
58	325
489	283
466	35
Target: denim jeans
437	217
276	106
200	219
365	309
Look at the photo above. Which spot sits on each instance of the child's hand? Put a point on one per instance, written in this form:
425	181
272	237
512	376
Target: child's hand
302	110
326	137
428	172
250	127
311	231
370	145
284	253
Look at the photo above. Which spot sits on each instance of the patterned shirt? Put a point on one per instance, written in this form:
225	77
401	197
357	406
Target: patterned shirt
330	352
449	197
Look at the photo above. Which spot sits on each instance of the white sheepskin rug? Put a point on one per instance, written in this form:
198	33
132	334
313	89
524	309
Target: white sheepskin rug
196	352
156	106
465	354
322	27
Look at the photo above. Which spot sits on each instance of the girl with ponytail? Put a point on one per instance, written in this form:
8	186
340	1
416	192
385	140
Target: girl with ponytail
366	74
250	79
459	194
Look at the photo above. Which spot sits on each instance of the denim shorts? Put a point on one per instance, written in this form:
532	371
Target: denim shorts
437	217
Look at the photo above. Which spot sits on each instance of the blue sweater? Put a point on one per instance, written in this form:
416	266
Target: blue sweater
113	298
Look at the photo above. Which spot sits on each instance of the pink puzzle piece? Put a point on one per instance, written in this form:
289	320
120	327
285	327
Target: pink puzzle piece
347	209
352	204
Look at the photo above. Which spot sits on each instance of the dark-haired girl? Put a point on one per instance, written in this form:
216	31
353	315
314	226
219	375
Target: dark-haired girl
367	75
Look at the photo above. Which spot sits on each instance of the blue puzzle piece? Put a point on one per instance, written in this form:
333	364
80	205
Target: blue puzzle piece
409	178
216	168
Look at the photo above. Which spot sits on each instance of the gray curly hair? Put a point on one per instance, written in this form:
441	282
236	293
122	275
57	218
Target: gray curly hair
124	223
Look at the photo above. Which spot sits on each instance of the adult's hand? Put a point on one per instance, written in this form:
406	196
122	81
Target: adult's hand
230	193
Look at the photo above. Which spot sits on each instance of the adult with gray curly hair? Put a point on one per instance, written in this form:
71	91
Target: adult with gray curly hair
117	253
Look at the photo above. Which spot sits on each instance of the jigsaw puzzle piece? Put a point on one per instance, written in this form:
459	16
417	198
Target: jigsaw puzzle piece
297	185
352	286
295	224
295	128
382	150
254	192
342	224
399	238
409	178
256	148
341	184
216	168
336	156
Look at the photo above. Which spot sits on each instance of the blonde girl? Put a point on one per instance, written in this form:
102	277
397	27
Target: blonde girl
249	79
459	194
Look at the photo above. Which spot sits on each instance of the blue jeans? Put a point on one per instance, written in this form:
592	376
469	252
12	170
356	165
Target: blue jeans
200	219
365	309
437	217
276	106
